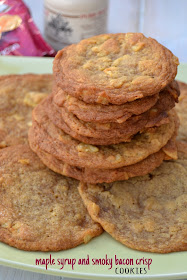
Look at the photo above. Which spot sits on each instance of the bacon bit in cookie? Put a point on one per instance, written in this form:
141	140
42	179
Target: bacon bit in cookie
87	148
153	111
18	117
103	99
149	225
6	225
24	161
2	144
116	158
152	204
33	98
176	60
136	227
139	46
29	123
78	216
87	238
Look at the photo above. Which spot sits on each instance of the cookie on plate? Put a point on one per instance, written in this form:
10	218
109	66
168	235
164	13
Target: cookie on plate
114	68
62	146
110	113
181	109
111	132
39	209
93	175
19	94
147	213
102	113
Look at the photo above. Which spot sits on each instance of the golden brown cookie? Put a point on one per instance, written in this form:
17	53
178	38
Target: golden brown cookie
103	134
62	146
103	113
95	176
39	209
56	115
111	132
181	109
19	94
114	68
110	113
146	213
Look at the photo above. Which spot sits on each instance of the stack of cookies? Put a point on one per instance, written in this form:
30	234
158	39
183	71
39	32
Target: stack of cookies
109	116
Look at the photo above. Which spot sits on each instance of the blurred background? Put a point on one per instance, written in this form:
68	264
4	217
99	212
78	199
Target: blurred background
164	20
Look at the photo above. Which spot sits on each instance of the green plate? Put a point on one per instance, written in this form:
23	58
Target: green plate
163	266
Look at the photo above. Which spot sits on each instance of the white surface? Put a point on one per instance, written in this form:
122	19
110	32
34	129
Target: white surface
162	19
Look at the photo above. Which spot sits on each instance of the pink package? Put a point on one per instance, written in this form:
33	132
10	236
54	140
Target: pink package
18	33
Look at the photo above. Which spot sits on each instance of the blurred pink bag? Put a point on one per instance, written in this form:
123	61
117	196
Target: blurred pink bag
18	33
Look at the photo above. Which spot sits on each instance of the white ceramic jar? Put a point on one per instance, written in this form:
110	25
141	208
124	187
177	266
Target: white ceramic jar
69	21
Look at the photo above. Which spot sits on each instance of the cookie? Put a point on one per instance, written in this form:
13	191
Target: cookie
117	132
56	117
62	146
19	94
147	213
94	176
102	134
103	113
114	68
39	209
109	113
181	109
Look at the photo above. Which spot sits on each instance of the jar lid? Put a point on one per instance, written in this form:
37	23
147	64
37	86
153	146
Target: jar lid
76	6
